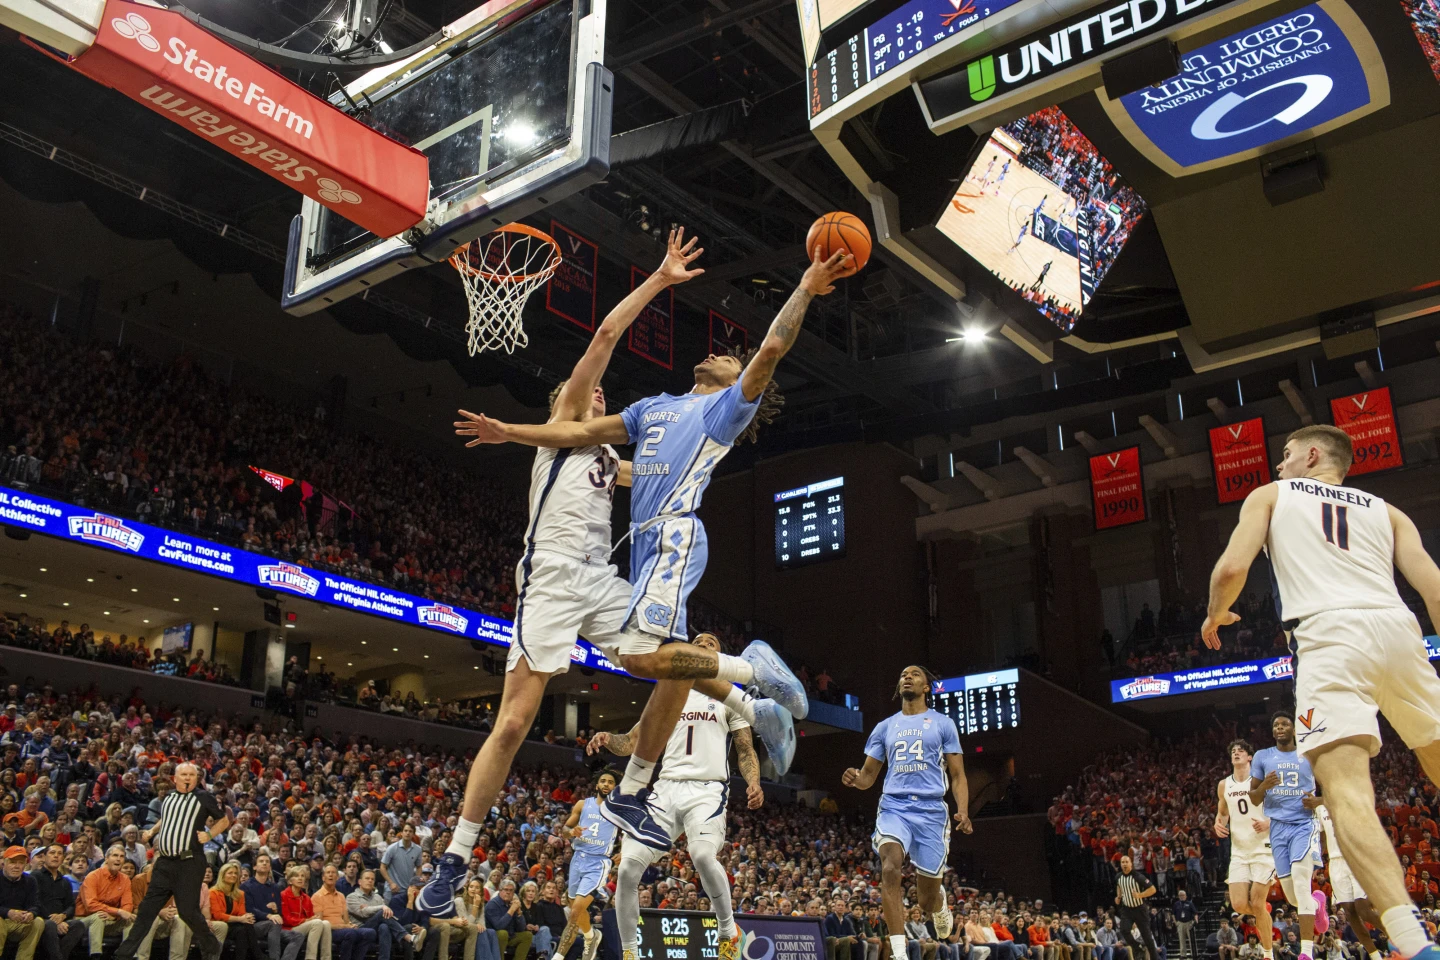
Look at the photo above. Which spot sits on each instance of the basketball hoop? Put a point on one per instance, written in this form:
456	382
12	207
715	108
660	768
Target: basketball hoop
500	270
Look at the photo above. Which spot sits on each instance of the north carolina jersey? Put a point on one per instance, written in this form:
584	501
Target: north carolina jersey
1244	841
1331	548
699	748
1284	800
596	833
913	749
570	493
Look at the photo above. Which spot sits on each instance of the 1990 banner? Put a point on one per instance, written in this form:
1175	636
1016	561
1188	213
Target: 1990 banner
1369	419
1117	488
1240	460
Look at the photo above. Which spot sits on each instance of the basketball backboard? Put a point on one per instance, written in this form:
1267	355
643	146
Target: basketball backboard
513	110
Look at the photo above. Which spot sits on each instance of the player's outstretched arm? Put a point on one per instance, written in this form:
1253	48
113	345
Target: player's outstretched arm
864	778
1228	578
1415	563
819	280
1222	813
960	790
574	399
568	433
620	744
749	764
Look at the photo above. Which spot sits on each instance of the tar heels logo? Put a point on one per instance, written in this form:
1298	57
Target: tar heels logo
1144	687
107	530
659	614
289	577
439	615
1281	669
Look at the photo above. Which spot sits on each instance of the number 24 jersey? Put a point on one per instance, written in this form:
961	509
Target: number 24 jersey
913	749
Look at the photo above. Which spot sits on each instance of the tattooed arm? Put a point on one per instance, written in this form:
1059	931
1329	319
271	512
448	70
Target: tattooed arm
819	280
749	765
620	744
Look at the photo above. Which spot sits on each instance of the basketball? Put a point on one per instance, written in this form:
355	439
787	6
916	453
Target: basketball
840	231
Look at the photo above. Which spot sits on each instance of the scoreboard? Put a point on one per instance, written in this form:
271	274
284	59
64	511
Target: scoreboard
981	702
691	935
810	524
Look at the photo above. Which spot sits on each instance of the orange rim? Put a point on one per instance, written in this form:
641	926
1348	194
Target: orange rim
460	262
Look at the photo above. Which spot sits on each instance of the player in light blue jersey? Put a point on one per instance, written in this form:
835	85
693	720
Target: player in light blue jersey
592	836
678	443
1282	779
921	749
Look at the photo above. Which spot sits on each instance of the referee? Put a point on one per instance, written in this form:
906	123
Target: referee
1132	888
179	868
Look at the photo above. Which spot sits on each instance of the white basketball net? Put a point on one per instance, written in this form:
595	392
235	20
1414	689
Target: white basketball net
500	270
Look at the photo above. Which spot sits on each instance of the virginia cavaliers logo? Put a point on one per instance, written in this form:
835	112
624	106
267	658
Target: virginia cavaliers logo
332	192
1237	436
1361	404
132	26
1311	725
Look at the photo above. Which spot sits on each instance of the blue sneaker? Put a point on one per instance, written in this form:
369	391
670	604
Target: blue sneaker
775	680
437	898
631	813
777	732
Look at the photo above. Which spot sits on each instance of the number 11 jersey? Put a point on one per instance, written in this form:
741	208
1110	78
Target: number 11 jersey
913	749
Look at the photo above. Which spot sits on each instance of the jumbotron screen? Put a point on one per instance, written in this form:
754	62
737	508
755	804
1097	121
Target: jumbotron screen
1042	210
981	702
810	523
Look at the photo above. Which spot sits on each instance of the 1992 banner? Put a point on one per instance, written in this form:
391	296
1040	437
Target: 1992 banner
1117	488
1369	419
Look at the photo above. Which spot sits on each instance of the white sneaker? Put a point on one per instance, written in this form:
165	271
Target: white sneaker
943	919
592	943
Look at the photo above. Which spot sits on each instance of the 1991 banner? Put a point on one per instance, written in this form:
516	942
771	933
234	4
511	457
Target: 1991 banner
1369	419
1240	460
1117	488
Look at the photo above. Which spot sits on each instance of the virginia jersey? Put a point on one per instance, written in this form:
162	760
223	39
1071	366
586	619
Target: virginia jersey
1244	841
1331	547
596	833
699	748
1284	801
913	750
1332	846
570	492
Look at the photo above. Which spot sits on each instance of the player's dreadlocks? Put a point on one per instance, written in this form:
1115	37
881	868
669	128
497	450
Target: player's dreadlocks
930	680
770	401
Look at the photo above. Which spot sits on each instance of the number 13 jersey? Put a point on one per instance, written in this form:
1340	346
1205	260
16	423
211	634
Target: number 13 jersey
913	749
1331	548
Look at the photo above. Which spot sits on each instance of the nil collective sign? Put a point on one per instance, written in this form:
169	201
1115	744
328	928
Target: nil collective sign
1290	78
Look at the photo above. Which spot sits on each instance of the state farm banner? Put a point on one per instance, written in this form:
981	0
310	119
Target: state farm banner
1117	488
163	61
1369	419
1240	460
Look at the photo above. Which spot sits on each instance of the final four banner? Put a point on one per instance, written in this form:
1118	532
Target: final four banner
66	521
1369	419
1117	489
1239	458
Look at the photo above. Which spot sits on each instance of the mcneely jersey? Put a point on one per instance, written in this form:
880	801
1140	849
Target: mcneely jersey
913	749
1331	548
570	493
699	748
1285	800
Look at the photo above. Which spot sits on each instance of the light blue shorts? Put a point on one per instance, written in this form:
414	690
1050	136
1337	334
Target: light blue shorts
920	825
1292	841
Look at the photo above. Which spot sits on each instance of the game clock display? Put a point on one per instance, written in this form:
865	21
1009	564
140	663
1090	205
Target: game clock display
981	702
810	524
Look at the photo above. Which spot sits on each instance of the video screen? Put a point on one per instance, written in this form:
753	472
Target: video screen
810	524
833	11
1425	21
177	639
981	702
1042	210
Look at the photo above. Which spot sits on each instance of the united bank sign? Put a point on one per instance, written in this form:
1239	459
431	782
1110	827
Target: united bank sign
1290	78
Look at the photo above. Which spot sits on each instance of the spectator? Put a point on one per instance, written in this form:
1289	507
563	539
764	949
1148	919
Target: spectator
20	918
840	935
503	914
351	942
297	912
1227	940
227	905
106	898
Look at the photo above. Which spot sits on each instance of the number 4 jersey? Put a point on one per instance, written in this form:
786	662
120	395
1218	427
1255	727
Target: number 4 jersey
913	749
1331	548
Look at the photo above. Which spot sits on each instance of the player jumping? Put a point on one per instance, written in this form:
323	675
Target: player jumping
1346	892
567	587
592	836
1244	822
689	799
922	749
1333	550
679	441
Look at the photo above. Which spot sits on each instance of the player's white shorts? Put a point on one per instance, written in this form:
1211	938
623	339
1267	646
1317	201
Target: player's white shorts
562	597
1257	868
1345	888
1352	663
695	808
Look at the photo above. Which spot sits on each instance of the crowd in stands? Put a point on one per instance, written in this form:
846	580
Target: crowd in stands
1425	21
1170	640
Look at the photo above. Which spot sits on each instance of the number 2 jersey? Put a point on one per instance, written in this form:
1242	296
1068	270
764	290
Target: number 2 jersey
1284	801
1331	548
913	749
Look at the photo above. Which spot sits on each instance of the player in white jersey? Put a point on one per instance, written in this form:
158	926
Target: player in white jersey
1358	649
1345	891
689	798
1244	822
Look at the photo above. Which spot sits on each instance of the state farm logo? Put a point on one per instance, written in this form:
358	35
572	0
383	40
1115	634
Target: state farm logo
1145	687
106	530
287	576
1279	670
332	192
439	615
132	26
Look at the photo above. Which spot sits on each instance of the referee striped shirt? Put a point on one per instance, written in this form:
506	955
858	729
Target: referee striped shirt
1130	886
182	815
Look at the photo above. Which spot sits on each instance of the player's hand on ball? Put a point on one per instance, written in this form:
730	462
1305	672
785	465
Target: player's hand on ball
850	777
754	796
821	275
1210	629
679	255
962	822
481	427
597	743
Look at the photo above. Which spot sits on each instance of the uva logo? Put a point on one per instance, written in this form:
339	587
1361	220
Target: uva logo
288	577
440	615
106	530
1145	687
1279	670
132	26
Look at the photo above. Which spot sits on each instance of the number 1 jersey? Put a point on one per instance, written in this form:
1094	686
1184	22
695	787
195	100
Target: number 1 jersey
1331	548
913	749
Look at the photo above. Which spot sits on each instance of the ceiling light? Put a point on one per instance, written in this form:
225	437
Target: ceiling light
144	621
24	595
363	642
89	579
474	668
318	657
176	599
632	703
65	604
521	135
394	649
134	589
289	626
427	656
216	609
44	569
349	664
107	613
